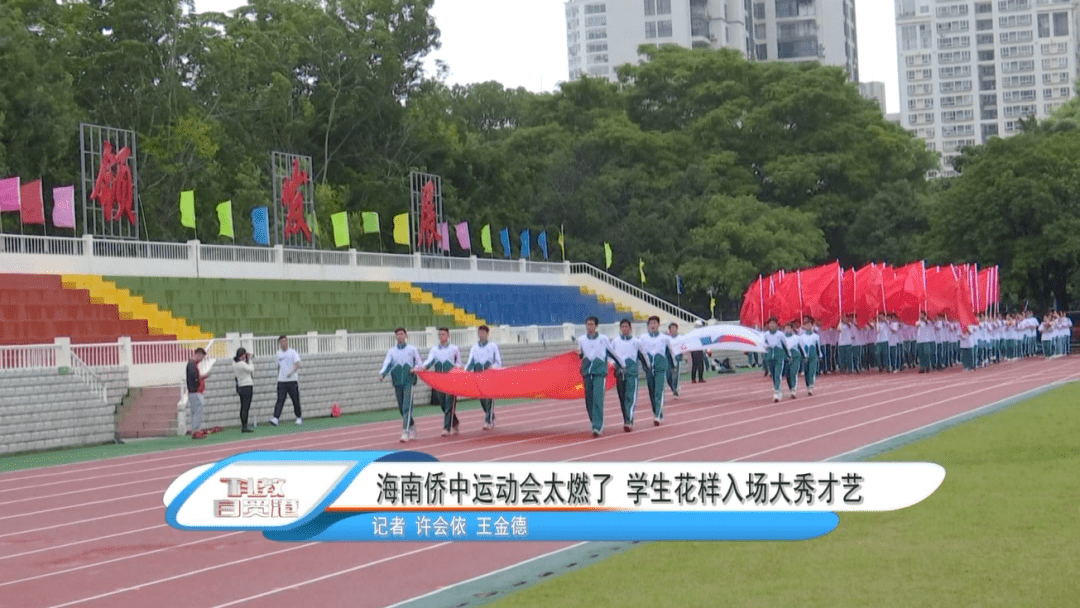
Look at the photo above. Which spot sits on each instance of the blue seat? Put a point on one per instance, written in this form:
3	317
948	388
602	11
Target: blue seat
524	304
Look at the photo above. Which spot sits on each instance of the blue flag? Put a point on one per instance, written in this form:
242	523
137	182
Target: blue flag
525	243
679	285
541	239
260	224
504	236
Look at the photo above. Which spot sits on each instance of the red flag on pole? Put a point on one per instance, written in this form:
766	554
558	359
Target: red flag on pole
33	206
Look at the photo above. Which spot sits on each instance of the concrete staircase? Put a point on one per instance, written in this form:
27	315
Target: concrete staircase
148	412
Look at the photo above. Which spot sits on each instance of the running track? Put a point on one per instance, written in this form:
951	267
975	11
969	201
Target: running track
93	534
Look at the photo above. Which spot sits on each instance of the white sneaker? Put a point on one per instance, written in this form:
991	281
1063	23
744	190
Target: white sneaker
274	421
412	433
404	438
299	421
809	392
776	397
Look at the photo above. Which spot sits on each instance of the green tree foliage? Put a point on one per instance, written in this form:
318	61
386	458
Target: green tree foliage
698	162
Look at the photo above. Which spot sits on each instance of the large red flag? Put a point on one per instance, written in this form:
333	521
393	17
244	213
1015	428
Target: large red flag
555	378
821	294
33	206
750	314
868	289
904	292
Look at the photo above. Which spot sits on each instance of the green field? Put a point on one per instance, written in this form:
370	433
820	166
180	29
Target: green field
1003	530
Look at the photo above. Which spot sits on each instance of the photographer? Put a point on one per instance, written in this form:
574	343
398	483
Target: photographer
244	372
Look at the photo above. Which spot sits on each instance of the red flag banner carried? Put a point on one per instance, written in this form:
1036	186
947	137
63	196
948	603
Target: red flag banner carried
829	292
555	378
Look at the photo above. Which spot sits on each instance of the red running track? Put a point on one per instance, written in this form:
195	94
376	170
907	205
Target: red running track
93	534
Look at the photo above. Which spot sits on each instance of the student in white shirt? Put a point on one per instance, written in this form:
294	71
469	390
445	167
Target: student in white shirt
445	357
401	363
627	354
244	372
594	349
776	355
659	359
811	341
484	355
288	382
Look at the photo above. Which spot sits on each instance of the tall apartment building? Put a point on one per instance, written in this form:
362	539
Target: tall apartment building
604	34
970	70
876	91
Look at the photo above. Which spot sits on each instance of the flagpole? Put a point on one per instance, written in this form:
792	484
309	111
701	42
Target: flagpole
761	294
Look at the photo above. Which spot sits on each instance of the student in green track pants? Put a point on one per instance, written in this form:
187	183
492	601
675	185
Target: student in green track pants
776	354
401	364
594	350
485	355
659	359
812	345
925	340
444	358
795	356
674	373
627	351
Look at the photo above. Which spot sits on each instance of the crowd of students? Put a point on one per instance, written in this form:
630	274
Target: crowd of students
888	345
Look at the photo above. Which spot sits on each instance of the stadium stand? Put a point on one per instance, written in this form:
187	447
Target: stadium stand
37	309
521	305
272	307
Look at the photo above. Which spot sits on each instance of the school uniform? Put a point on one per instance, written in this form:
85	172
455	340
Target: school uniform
925	340
881	331
776	354
796	358
845	343
594	350
659	359
967	357
675	371
482	356
627	353
811	342
399	364
443	359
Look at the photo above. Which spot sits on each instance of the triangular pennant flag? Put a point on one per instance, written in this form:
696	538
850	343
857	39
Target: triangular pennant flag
224	215
340	220
260	225
63	211
562	243
504	237
641	269
485	239
32	205
9	194
607	255
541	240
712	307
371	222
526	246
679	285
187	209
313	223
462	230
401	229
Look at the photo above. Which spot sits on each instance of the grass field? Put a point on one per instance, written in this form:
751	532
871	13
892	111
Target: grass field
1003	530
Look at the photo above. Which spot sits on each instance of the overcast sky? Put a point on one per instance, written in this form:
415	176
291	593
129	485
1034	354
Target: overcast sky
522	43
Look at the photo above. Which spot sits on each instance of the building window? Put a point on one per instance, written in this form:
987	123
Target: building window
596	47
762	52
759	10
663	7
650	29
795	8
663	29
759	31
596	21
1061	24
592	9
650	8
596	35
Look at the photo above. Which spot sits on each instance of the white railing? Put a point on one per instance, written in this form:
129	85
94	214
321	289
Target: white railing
33	356
40	245
88	377
637	292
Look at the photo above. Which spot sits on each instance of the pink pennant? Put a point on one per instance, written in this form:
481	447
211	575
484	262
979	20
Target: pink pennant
444	230
63	212
463	236
9	194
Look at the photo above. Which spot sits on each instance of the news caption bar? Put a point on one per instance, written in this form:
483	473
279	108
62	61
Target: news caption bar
413	497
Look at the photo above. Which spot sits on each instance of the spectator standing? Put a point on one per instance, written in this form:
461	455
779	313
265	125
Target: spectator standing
288	383
245	385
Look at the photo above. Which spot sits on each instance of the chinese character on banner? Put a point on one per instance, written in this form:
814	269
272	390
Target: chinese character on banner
114	188
429	232
293	201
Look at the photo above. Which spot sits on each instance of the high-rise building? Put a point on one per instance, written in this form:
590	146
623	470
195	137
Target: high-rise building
970	70
601	35
876	91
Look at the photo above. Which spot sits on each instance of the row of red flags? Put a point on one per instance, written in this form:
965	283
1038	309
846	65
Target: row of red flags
27	199
829	293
